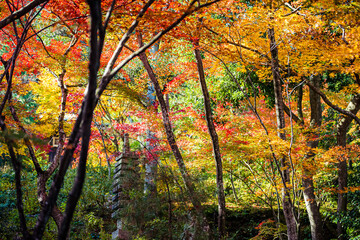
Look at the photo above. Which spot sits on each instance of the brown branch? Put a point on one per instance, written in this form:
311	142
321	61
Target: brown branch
125	38
293	115
330	104
299	103
21	12
357	78
76	85
42	43
53	24
109	74
62	135
240	45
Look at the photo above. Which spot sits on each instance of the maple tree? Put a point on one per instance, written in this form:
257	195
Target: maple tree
250	48
85	116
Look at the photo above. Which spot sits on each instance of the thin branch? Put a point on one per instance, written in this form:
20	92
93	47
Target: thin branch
109	75
53	24
239	45
293	10
330	104
21	12
125	38
292	115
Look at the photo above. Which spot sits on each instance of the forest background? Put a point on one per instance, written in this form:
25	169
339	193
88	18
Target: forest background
242	116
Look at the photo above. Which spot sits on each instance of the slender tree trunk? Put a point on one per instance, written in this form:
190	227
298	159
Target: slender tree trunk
288	208
151	165
56	214
342	129
299	103
152	161
307	178
173	145
9	67
215	144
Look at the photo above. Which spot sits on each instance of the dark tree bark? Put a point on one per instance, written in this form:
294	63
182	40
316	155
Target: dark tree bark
89	106
172	142
295	118
82	128
215	144
333	106
307	178
21	12
342	128
299	103
288	208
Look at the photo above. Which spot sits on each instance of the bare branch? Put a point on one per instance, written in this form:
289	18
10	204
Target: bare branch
125	38
293	115
108	74
21	12
240	45
293	10
330	104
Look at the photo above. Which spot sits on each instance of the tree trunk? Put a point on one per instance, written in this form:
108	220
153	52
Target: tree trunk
307	178
342	129
299	103
288	208
56	214
173	145
152	161
215	144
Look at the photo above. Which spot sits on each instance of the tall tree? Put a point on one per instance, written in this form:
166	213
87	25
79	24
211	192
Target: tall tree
200	218
288	205
342	129
312	207
82	127
215	143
